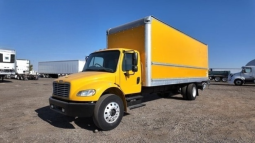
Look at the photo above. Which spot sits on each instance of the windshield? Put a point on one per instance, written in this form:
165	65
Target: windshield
102	61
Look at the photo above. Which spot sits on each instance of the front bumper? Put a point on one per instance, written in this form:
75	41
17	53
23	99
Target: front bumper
72	108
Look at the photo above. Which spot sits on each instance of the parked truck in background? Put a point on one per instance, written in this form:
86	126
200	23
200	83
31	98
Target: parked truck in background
142	57
23	72
219	75
246	76
58	68
7	62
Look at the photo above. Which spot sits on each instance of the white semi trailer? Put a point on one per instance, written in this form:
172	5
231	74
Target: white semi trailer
59	68
7	62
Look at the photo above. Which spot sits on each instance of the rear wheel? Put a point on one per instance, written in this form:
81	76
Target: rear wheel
217	79
108	112
191	91
238	82
184	92
224	79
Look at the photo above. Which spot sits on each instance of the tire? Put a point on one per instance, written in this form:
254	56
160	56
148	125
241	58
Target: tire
238	82
108	112
210	78
224	79
191	91
184	92
217	79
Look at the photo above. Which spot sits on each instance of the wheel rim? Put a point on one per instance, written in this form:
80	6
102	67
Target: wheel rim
238	82
111	112
224	79
194	91
217	79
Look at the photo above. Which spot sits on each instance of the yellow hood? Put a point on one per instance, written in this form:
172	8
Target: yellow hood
86	76
87	80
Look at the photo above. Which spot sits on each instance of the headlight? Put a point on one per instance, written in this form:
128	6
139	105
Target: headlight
89	92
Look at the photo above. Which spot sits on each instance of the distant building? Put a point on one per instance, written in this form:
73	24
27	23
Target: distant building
251	63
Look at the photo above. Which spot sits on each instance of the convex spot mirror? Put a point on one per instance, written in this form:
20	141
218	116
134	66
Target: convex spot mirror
134	62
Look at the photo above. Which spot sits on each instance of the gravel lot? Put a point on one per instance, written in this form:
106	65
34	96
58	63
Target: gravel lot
222	113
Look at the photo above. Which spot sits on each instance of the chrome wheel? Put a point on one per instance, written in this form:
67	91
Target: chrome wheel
194	92
191	91
111	112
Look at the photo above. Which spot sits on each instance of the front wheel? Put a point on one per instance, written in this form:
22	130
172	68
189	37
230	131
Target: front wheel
238	82
108	112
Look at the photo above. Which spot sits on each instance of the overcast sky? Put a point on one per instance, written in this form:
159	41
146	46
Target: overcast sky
52	30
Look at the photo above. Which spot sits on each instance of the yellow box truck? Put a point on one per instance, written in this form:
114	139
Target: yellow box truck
142	57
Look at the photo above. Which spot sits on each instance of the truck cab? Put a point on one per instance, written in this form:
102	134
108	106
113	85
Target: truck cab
100	89
246	76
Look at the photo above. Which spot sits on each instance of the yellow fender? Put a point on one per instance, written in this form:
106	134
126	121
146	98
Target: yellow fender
103	87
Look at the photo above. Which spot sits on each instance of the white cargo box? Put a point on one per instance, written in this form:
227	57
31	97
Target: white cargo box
7	61
22	66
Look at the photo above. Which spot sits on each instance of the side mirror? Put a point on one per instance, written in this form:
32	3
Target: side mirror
134	59
134	68
86	58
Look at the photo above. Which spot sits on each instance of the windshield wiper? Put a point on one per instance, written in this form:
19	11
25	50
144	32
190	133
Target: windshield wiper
106	69
99	69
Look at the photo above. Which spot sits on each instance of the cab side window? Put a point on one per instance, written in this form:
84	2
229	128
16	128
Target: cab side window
247	70
127	62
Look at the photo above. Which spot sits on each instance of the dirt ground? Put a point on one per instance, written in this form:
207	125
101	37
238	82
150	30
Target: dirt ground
221	113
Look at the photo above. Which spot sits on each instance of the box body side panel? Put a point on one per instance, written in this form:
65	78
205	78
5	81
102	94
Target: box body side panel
176	56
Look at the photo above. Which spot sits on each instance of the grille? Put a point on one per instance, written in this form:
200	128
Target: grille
61	89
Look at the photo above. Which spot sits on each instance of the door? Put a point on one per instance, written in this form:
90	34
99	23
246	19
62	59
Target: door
248	74
130	81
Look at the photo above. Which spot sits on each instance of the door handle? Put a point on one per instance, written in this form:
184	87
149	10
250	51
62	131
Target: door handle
138	80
